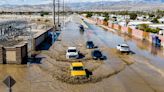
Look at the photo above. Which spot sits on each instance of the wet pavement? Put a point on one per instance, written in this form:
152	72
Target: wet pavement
139	47
139	72
143	50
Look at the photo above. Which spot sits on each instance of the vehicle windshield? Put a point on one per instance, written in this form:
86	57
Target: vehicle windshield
125	46
90	42
78	68
72	50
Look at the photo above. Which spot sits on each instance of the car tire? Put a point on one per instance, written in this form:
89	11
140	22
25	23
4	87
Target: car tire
95	58
128	52
77	57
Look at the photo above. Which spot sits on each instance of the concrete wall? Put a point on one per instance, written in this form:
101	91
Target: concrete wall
10	54
1	54
105	23
110	25
146	36
117	27
14	55
137	33
39	38
21	54
162	40
124	29
100	22
132	32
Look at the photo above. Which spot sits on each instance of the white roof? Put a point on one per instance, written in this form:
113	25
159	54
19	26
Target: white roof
161	26
94	16
102	18
71	47
139	22
161	19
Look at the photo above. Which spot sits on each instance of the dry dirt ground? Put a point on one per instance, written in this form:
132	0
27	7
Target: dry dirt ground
119	73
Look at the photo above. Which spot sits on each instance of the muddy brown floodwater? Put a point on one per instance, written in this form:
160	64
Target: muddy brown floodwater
118	73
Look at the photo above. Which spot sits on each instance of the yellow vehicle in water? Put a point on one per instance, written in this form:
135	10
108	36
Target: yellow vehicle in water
77	69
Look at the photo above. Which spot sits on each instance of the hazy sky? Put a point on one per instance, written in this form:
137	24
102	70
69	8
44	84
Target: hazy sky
42	1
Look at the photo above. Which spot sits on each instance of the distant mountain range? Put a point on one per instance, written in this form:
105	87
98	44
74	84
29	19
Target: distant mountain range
135	5
139	5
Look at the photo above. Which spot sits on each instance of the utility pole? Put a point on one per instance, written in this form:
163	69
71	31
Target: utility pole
63	13
54	14
54	20
58	14
125	17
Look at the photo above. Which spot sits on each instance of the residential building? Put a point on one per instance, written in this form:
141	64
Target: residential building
161	20
134	24
160	26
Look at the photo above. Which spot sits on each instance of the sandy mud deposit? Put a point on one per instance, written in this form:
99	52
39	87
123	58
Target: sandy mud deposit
61	66
60	70
58	66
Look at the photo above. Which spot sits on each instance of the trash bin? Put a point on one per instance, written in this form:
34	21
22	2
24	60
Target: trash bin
156	41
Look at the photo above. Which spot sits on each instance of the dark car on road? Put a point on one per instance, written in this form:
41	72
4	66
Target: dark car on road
96	54
90	45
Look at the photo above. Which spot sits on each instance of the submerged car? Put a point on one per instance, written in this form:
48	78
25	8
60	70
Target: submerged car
123	48
72	52
90	45
96	54
77	69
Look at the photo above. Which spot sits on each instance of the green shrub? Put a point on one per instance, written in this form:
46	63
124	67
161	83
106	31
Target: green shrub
146	28
154	30
44	13
155	20
151	30
133	16
151	15
106	19
89	14
143	27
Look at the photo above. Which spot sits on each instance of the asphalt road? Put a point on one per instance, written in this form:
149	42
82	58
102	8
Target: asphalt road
155	55
146	74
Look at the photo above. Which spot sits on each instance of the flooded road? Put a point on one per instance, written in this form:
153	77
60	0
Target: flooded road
144	51
140	72
155	55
